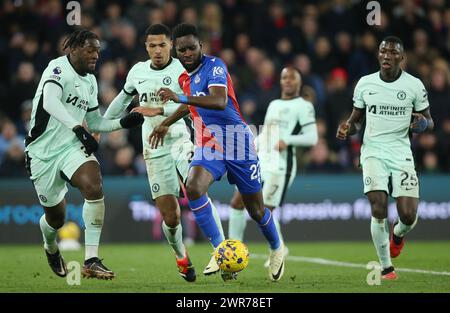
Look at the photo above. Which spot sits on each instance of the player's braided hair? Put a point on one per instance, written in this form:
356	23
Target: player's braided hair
77	38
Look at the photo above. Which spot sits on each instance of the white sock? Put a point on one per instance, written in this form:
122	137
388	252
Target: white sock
175	238
93	216
278	227
380	236
91	252
400	230
49	236
237	224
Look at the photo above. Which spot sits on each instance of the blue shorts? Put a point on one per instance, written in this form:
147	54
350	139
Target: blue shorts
244	173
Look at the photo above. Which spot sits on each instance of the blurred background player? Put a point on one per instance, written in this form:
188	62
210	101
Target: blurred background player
290	122
209	92
394	103
167	166
66	95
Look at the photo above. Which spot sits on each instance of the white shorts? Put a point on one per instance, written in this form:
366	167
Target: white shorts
275	186
398	179
165	171
49	177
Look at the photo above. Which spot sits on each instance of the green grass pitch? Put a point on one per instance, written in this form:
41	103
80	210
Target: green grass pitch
151	268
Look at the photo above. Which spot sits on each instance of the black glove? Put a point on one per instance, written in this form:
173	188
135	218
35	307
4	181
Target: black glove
89	142
132	120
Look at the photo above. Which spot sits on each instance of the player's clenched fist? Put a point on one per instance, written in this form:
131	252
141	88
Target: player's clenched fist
419	123
89	142
342	131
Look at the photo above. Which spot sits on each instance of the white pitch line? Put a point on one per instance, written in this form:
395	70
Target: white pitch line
348	264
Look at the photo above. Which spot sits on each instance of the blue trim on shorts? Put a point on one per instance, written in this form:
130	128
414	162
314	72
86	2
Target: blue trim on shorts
245	174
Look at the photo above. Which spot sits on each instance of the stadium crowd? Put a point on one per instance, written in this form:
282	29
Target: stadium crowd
329	41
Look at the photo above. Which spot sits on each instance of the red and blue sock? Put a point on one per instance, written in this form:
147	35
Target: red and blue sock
269	230
204	217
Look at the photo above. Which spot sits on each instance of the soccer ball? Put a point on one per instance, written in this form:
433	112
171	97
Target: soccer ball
232	255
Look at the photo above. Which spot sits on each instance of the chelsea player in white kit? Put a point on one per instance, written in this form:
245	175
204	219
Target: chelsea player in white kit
59	149
289	122
394	104
167	165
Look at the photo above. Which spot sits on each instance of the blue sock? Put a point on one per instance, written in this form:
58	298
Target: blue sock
204	217
269	230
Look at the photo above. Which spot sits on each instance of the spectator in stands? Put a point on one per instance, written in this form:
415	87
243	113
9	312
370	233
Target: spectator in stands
407	17
363	60
344	48
430	163
108	76
9	138
303	63
13	164
309	30
124	162
28	51
22	88
113	21
339	103
422	51
189	15
138	12
321	160
265	88
211	26
443	147
254	38
25	117
170	13
439	92
338	18
426	143
109	145
155	16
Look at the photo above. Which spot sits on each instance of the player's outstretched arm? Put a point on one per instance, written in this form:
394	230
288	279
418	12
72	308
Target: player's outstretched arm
164	111
149	112
118	105
422	121
352	125
97	123
216	100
